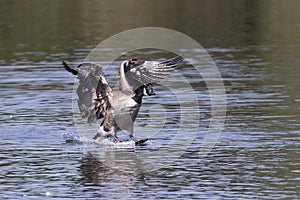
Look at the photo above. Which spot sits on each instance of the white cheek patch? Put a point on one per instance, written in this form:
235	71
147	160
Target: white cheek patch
145	91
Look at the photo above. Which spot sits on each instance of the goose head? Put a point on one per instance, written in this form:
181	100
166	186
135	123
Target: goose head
148	90
144	90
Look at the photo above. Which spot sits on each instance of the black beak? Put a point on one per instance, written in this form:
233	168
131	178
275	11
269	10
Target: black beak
150	90
151	93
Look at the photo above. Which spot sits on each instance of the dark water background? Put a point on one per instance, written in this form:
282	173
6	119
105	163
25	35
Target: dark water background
255	44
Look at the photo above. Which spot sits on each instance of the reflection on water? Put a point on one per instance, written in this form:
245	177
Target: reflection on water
256	47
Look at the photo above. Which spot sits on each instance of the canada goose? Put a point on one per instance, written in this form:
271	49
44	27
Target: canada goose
118	108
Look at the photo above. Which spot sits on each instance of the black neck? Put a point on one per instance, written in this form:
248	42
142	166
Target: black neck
138	97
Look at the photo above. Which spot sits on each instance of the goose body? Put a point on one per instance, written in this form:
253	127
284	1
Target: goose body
119	109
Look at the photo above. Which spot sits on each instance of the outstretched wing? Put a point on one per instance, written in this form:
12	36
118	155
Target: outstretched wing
93	91
143	72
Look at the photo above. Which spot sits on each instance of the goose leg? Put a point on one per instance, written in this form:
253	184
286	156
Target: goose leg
116	139
114	135
133	138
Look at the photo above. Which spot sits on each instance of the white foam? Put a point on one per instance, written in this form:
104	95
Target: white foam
106	142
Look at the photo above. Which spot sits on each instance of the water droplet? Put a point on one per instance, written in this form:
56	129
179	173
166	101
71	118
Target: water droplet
48	194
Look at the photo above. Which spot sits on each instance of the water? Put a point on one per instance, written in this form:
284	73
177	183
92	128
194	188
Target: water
256	46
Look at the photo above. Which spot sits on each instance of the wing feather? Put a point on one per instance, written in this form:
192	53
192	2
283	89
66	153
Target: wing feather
144	72
93	91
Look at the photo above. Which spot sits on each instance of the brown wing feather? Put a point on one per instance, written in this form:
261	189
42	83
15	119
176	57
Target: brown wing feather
93	91
104	93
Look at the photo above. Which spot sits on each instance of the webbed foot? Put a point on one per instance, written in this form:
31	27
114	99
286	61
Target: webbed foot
141	142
